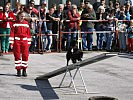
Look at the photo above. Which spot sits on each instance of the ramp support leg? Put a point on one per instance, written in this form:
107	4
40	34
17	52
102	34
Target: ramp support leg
73	77
63	77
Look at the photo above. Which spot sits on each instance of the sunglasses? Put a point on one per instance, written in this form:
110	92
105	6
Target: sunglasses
32	3
86	3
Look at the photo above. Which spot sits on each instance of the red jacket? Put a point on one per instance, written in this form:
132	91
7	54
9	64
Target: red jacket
5	21
20	30
74	22
1	19
35	11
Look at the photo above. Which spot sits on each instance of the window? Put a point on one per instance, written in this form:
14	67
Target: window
37	2
23	2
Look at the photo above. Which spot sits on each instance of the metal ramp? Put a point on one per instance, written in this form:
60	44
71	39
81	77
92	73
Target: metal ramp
77	66
74	66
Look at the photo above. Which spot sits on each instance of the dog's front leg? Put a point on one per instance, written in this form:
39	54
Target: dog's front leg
67	61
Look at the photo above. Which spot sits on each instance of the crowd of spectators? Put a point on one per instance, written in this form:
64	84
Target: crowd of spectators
114	30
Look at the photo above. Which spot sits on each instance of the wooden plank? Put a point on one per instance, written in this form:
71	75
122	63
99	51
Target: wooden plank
74	66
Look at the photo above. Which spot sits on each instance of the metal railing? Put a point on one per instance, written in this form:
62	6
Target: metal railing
60	33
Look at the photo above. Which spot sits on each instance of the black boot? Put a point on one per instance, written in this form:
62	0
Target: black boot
18	73
24	73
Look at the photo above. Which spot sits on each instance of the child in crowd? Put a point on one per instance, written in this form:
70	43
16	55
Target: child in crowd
130	37
122	26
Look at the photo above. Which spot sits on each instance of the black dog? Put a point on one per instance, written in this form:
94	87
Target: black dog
74	53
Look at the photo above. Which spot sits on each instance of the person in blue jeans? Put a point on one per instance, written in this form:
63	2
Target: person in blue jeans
71	36
87	39
87	14
73	25
110	27
48	40
100	26
48	33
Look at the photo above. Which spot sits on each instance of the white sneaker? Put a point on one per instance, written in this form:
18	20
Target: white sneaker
6	51
3	51
48	51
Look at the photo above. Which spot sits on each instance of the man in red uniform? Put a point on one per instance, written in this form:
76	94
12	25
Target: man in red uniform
20	40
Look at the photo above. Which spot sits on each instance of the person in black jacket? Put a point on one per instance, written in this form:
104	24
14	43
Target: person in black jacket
57	24
49	24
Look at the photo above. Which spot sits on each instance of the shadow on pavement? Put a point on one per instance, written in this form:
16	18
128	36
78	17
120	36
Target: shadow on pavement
7	75
28	87
129	56
46	89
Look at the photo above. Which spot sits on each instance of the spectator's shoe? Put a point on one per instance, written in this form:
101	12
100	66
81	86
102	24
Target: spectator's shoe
99	49
85	49
48	51
44	50
3	51
129	52
109	50
18	73
6	51
24	73
89	49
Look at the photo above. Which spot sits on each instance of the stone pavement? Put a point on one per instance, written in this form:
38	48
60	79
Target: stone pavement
109	77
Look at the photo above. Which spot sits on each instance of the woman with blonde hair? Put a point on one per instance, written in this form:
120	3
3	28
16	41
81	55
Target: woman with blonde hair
7	20
100	26
17	8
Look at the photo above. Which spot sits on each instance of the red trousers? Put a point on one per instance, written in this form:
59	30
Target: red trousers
21	53
130	44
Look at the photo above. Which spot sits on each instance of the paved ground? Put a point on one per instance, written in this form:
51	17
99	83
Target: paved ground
109	77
